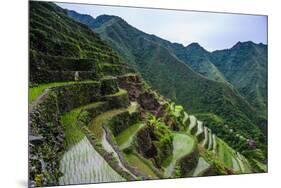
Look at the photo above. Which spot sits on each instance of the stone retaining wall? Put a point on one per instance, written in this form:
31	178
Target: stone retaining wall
46	137
74	95
46	76
46	132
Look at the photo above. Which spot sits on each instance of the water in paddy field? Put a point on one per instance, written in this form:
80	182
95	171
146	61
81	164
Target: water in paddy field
202	165
106	145
83	164
182	144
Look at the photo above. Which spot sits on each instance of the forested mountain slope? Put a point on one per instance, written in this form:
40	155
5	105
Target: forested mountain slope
245	66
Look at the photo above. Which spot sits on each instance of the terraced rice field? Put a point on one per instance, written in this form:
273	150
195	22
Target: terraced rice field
261	166
210	145
185	118
83	164
125	138
214	143
200	127
73	134
192	122
96	125
137	162
133	107
201	167
235	165
224	153
106	145
35	92
231	158
206	137
183	145
243	163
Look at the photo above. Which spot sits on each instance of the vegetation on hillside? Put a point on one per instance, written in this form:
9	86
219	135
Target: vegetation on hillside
165	66
93	118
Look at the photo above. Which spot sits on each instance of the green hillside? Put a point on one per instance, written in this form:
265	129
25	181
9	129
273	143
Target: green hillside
93	118
56	49
174	79
245	66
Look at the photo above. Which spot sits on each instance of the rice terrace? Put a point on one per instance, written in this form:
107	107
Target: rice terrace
109	102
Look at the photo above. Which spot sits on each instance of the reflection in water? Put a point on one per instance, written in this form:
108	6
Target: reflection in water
83	164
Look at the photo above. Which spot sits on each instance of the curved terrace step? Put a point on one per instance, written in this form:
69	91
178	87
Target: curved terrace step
243	163
205	142
193	122
67	76
36	91
125	138
80	154
70	99
183	144
109	85
115	69
214	148
200	131
185	118
201	167
118	100
61	63
232	159
96	127
73	133
108	147
210	145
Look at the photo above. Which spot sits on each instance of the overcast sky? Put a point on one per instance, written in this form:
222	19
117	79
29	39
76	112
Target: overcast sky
213	31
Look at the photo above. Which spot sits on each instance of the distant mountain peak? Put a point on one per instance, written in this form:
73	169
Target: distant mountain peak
196	46
106	16
240	44
74	13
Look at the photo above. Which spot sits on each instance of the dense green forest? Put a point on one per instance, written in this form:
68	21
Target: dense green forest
110	103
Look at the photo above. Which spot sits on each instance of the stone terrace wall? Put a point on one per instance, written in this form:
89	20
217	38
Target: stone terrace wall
45	141
46	132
